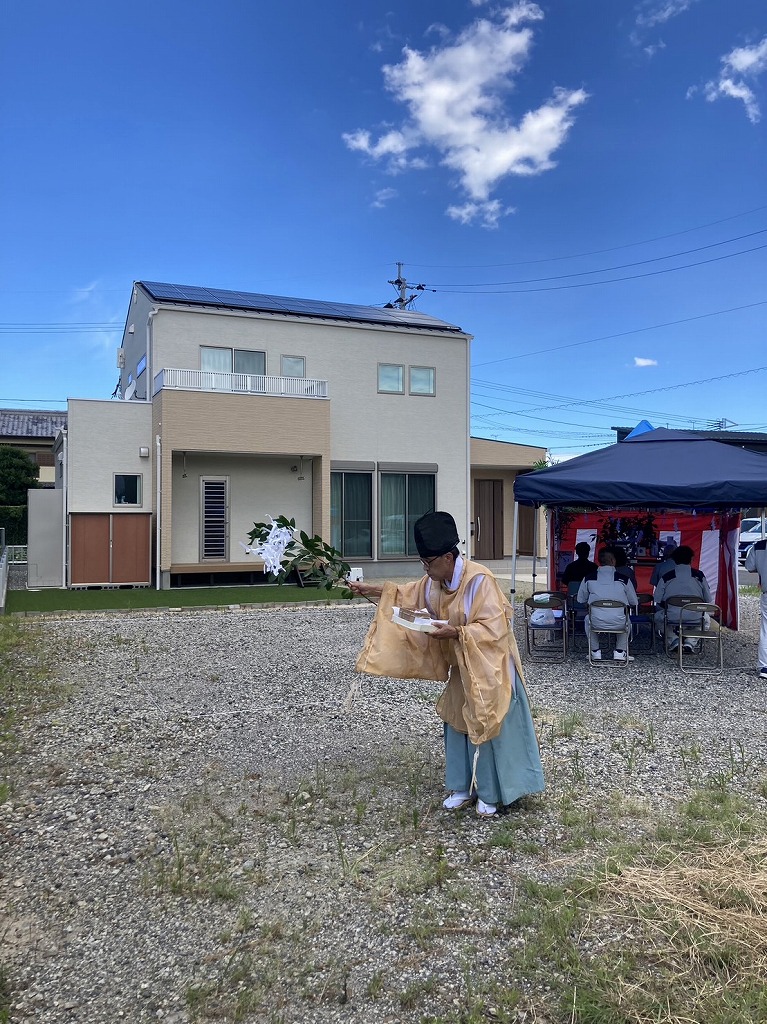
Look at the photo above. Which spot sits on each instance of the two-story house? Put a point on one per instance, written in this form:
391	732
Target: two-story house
235	406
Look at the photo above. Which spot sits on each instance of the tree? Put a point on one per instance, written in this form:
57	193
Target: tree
18	472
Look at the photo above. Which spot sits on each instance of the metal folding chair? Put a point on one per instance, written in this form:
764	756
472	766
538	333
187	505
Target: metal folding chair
576	613
546	640
643	614
625	627
705	625
671	623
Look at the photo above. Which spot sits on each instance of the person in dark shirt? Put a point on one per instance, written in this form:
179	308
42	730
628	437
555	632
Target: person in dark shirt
582	567
623	571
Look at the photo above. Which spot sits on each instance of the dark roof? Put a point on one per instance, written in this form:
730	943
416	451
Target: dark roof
658	469
222	298
751	439
31	423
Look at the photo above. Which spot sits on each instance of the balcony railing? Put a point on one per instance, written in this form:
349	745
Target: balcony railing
239	383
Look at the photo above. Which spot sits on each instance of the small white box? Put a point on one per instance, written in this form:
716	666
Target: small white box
355	575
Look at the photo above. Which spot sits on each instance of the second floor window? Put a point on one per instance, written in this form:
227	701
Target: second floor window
422	380
292	366
232	360
391	378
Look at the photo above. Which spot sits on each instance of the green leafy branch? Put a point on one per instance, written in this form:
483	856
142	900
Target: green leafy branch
317	562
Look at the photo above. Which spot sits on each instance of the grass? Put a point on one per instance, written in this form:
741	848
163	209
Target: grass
53	600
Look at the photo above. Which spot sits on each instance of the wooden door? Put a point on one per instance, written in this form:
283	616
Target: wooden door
526	529
89	537
130	547
488	519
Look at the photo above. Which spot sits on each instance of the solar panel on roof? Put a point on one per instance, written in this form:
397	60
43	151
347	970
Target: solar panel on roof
283	304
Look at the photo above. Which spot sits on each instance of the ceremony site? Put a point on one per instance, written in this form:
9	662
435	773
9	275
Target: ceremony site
383	512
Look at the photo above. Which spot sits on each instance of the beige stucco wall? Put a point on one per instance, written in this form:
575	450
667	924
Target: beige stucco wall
500	460
209	427
258	487
364	425
104	438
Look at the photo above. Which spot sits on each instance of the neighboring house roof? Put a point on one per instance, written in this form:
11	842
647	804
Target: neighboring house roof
222	298
742	438
28	423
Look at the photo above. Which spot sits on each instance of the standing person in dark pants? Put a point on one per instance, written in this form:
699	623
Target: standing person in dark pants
756	561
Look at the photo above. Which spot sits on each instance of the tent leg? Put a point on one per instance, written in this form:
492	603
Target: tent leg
513	589
535	542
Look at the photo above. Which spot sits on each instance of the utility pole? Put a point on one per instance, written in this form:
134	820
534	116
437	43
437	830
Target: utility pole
401	286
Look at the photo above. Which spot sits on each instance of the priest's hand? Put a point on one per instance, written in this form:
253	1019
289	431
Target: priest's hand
371	591
446	632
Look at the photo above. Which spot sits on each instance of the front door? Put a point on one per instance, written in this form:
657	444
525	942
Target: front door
488	519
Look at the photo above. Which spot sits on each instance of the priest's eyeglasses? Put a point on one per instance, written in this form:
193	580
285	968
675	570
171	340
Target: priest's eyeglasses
426	562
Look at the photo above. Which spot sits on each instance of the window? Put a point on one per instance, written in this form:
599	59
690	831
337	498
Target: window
141	366
351	514
391	378
227	360
405	497
421	380
214	519
292	366
127	489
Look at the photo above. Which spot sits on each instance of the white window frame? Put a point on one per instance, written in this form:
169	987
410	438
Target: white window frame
139	489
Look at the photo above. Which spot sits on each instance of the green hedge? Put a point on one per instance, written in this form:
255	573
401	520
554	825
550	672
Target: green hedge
14	519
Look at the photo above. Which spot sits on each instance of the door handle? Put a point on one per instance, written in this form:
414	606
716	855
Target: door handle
479	529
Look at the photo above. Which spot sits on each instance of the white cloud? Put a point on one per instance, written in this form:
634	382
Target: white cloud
739	64
641	361
652	13
454	95
382	197
84	294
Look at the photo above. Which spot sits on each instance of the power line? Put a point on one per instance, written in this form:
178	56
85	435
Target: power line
623	334
595	252
593	284
609	270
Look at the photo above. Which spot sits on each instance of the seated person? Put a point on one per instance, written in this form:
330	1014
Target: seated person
623	571
681	581
582	567
661	569
606	586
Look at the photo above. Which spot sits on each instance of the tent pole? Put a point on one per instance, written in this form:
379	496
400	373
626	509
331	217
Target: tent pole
535	541
515	537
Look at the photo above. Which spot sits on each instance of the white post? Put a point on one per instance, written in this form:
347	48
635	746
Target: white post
514	549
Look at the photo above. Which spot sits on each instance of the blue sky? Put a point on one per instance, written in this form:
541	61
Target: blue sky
515	157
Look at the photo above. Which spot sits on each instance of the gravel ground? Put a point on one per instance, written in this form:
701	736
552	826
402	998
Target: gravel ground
221	820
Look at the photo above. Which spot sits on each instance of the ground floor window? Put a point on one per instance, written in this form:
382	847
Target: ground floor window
405	497
351	514
214	519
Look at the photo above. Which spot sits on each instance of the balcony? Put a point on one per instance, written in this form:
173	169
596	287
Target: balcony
239	383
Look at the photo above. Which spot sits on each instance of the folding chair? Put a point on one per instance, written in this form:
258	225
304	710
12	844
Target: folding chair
706	625
671	624
616	631
576	612
643	614
546	640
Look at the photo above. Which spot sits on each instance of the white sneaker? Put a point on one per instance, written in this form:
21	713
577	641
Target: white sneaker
457	800
486	810
621	656
596	655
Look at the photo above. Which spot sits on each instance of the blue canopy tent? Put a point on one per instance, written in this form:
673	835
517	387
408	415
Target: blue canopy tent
656	469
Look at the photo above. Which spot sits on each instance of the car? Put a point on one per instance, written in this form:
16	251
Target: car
750	532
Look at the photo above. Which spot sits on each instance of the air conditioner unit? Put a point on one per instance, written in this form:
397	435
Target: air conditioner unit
121	359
